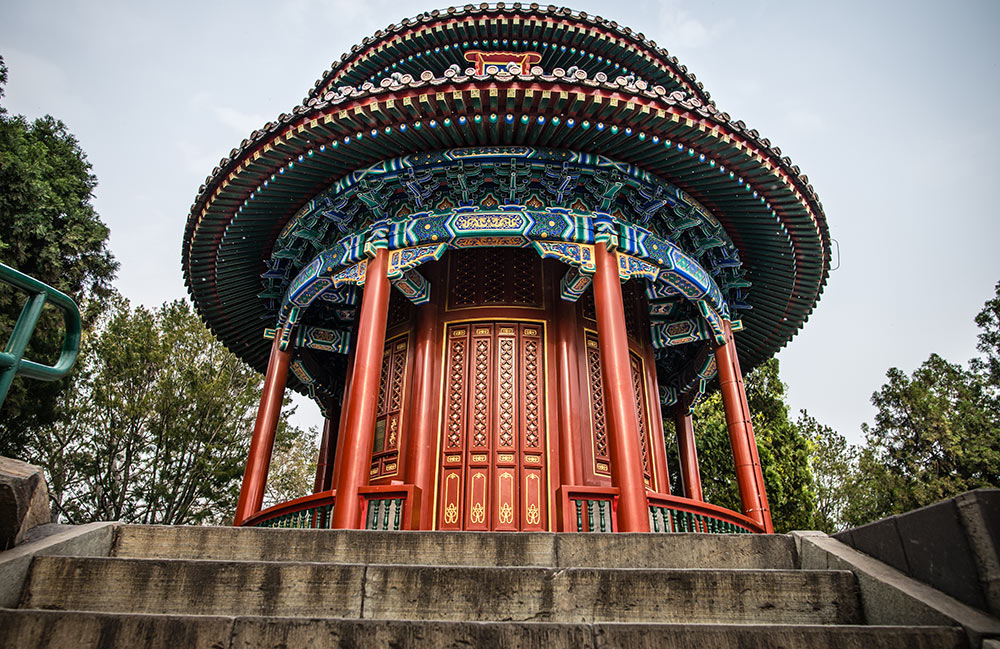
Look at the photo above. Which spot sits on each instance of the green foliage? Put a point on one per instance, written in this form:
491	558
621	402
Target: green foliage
988	366
783	449
832	462
935	433
935	436
155	425
50	231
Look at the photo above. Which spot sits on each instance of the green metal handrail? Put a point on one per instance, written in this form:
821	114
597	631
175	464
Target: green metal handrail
12	361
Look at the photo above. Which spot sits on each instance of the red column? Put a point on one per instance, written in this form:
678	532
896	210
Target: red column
687	453
361	404
622	425
421	460
570	471
324	467
262	442
338	451
749	476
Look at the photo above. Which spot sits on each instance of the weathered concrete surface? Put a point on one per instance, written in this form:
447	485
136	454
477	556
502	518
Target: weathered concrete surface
890	597
588	595
952	545
707	596
364	634
979	511
377	634
194	587
24	500
72	630
459	548
343	546
655	551
685	636
938	551
298	589
93	539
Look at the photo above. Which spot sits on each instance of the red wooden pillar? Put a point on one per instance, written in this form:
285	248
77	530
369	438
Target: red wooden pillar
338	451
687	453
749	476
324	464
616	373
570	470
262	442
421	459
362	398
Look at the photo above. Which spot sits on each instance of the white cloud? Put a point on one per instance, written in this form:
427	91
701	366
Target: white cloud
244	123
682	30
37	86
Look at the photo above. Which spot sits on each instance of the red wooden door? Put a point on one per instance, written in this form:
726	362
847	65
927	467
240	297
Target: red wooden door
493	448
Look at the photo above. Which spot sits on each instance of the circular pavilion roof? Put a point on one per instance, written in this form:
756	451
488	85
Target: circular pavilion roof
576	83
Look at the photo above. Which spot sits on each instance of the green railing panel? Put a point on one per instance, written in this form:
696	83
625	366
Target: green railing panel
384	514
12	361
666	519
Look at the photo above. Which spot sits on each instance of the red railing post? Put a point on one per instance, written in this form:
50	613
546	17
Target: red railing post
687	452
622	424
749	476
361	404
421	442
262	442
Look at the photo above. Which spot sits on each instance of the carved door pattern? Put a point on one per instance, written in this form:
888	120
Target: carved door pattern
600	453
493	446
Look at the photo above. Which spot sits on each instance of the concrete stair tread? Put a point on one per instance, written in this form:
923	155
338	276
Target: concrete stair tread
312	589
38	628
459	548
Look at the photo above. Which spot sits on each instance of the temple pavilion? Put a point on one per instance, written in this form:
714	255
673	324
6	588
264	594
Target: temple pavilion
498	245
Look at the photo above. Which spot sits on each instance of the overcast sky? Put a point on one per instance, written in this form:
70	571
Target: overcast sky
891	108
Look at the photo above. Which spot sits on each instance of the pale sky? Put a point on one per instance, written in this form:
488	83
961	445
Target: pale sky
889	107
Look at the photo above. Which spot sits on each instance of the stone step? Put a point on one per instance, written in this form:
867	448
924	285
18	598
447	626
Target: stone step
442	593
649	551
70	630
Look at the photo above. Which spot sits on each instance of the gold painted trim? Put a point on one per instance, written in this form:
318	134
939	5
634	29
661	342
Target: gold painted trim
439	469
595	465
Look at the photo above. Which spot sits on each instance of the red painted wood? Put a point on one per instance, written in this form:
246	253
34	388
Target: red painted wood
568	402
657	442
493	454
688	454
262	442
705	509
361	405
320	499
338	455
422	436
749	477
623	426
410	519
323	465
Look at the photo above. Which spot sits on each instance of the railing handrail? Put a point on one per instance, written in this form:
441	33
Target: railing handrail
569	493
704	508
12	361
318	499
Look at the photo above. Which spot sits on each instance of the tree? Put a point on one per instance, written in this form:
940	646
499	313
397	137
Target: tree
154	427
50	231
833	463
783	450
935	436
935	432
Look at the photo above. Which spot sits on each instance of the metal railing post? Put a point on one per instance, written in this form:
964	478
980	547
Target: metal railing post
12	361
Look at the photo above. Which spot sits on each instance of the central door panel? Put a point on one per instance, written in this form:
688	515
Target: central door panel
493	446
